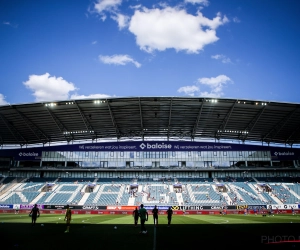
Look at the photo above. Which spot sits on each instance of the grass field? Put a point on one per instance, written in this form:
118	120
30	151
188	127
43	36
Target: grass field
186	232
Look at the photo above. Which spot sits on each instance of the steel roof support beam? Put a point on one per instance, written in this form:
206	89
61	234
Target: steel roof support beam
170	116
88	126
292	134
60	126
252	124
141	118
275	130
13	131
33	127
113	121
197	120
225	121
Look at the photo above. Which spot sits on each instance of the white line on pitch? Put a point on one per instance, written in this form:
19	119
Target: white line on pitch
154	238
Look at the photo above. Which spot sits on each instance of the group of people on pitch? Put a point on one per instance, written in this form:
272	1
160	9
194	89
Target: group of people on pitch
142	213
35	213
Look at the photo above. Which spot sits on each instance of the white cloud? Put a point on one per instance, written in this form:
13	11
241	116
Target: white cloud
215	84
49	88
161	29
94	42
10	24
236	20
189	90
106	5
122	20
2	100
92	96
118	60
223	58
135	6
103	18
204	2
101	7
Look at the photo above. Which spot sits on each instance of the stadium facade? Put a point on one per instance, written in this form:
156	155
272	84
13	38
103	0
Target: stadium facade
150	133
152	155
150	139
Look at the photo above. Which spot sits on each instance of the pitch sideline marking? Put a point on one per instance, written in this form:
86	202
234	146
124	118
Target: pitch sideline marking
226	221
154	238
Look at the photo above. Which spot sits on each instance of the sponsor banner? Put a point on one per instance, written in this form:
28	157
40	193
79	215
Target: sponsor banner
90	207
158	207
29	206
175	208
256	207
121	207
4	206
283	206
241	207
277	153
59	207
114	207
16	206
284	154
127	213
184	208
219	207
250	207
162	208
32	155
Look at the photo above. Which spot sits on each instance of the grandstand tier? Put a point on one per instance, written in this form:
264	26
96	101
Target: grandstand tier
193	191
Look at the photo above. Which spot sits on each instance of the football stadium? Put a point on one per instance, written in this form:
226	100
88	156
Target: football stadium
228	169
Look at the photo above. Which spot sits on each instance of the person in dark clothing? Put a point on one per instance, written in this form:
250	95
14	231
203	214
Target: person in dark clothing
135	215
155	215
34	213
144	217
169	215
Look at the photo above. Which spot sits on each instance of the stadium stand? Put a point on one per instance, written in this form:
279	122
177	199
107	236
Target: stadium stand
157	151
182	191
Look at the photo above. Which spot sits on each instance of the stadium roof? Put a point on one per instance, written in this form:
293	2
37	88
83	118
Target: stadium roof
169	118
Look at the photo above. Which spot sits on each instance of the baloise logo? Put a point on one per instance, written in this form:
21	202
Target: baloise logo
28	154
156	146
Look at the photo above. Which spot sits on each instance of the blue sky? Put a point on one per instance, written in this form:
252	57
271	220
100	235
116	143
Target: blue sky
54	50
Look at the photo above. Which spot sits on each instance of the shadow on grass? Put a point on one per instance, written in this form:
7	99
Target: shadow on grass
195	236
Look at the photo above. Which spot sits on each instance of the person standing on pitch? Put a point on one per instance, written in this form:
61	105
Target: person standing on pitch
169	215
155	215
135	215
34	213
144	217
68	217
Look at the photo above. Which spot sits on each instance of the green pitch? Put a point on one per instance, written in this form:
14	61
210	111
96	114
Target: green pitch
186	232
